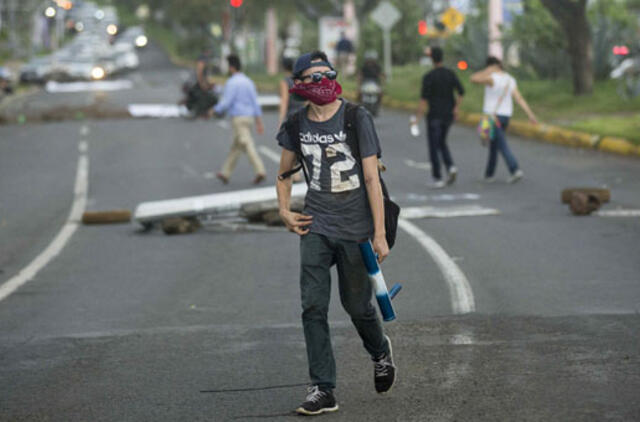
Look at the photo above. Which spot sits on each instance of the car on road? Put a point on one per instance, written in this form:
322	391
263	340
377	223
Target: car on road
134	36
92	54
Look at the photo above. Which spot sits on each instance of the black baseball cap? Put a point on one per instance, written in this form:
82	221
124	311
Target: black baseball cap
304	62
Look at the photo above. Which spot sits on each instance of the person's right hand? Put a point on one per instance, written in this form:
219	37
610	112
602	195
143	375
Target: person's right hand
296	222
259	127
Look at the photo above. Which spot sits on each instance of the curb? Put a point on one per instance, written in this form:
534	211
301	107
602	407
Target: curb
561	136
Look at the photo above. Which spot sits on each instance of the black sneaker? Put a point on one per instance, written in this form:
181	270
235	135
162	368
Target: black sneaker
317	402
384	371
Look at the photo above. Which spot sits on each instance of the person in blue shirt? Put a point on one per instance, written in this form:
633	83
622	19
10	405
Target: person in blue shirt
240	101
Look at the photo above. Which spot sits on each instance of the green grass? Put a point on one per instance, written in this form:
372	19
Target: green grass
622	126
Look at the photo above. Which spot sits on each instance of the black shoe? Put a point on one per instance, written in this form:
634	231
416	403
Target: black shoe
384	371
317	402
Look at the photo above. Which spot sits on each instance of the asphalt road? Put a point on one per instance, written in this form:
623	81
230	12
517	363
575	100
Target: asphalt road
133	326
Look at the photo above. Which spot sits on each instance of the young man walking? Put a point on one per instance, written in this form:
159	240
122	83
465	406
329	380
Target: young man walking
240	101
343	206
499	91
438	90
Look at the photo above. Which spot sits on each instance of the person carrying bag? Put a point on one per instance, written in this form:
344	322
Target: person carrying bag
500	88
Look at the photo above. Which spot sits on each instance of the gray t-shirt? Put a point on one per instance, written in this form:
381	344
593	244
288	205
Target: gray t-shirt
337	197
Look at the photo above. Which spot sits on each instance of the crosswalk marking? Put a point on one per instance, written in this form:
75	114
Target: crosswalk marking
418	165
447	212
618	213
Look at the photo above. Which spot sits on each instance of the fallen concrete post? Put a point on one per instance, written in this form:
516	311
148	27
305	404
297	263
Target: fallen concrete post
218	204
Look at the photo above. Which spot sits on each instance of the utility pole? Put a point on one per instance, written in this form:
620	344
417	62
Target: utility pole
272	35
351	20
13	39
1	7
495	34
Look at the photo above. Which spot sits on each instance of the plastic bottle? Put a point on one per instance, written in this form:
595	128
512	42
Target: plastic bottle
413	125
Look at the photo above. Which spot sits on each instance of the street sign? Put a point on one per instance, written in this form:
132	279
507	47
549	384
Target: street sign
452	18
386	15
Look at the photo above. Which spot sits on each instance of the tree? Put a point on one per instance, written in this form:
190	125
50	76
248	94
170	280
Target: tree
540	42
572	17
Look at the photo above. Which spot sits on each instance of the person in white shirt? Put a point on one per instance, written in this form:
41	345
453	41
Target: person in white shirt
499	92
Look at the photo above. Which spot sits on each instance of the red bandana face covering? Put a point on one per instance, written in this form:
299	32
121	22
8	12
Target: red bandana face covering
321	93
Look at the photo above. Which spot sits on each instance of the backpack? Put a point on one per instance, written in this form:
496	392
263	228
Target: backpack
391	209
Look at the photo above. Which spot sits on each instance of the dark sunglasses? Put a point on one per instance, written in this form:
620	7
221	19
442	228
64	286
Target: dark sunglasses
317	76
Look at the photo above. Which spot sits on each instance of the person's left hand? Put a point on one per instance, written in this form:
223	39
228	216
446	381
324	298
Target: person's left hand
259	127
380	247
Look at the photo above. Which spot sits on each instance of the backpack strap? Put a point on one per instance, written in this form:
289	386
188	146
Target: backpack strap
351	129
292	127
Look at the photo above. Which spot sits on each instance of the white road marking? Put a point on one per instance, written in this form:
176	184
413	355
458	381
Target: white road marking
58	243
618	213
460	339
447	212
269	153
84	130
418	165
417	197
462	300
223	124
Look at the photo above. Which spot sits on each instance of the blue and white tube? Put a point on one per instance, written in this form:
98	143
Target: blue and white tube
377	279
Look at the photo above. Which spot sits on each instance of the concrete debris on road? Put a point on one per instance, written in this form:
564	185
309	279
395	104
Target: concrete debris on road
180	225
268	211
603	194
584	203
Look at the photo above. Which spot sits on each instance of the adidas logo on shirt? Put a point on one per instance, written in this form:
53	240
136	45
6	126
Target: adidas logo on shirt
308	138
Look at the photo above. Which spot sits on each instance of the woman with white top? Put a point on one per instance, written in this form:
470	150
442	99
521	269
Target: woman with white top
500	89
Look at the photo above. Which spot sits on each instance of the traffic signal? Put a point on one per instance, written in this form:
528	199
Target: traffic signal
422	27
236	3
621	50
